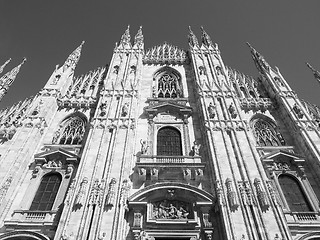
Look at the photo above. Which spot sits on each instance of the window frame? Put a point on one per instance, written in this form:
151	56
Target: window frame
60	177
177	131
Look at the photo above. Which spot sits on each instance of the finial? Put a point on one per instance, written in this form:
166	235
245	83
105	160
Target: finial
138	39
125	38
258	59
193	41
4	65
73	58
316	73
7	79
206	40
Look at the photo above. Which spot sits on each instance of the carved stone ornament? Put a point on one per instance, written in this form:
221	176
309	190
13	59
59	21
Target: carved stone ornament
95	193
165	53
262	195
125	110
298	111
232	111
196	148
171	209
4	188
232	195
211	110
111	196
80	198
144	146
137	220
124	193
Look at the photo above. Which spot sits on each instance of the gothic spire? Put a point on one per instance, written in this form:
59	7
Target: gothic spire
138	39
205	38
259	60
7	79
73	58
125	38
193	41
316	73
4	65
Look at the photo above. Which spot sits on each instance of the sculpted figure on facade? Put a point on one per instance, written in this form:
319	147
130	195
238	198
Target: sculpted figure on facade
170	210
144	146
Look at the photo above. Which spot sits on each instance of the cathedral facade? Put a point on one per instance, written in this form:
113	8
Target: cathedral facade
161	144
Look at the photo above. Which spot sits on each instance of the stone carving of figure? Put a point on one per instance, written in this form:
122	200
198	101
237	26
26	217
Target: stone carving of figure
219	72
211	110
170	210
56	137
196	148
144	146
125	110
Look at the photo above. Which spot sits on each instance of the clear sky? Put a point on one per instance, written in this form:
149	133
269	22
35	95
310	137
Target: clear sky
286	32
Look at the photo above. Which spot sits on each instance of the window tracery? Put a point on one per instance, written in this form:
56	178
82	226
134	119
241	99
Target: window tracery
168	86
266	133
71	132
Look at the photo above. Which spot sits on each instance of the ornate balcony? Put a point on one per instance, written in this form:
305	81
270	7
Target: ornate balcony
34	219
155	168
303	220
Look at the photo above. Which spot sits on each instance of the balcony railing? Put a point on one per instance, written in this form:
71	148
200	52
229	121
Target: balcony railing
23	217
147	159
303	217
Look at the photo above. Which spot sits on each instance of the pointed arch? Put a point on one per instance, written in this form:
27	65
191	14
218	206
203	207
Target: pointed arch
72	130
265	131
167	83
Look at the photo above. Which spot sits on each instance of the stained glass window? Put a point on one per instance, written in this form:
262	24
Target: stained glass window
293	194
72	131
168	86
47	192
169	142
266	133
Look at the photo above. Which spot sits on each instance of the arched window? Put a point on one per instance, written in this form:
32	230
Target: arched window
72	131
47	192
168	85
169	142
266	134
294	194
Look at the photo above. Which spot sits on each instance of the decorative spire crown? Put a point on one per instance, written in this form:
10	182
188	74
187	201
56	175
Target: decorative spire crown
193	41
138	39
259	60
125	38
4	65
73	58
316	73
205	38
7	79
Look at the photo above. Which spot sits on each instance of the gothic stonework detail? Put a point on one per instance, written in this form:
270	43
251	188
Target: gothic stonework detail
162	143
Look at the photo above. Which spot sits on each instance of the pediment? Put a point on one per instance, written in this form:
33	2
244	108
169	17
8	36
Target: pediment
282	160
58	154
168	108
282	154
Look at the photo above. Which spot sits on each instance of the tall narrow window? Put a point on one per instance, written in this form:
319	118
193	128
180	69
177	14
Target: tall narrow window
266	134
293	194
72	131
47	192
169	86
169	142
